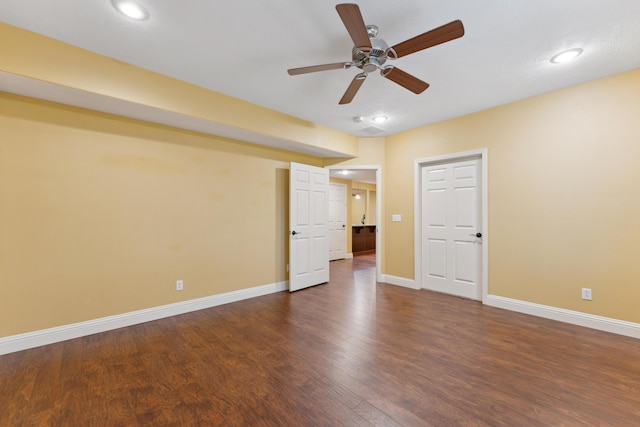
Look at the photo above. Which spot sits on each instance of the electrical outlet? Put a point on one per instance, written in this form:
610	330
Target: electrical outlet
586	294
179	285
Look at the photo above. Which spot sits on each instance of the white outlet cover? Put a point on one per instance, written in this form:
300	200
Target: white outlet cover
396	218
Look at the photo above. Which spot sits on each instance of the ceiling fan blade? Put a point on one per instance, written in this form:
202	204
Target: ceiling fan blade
314	68
405	80
353	88
443	34
352	19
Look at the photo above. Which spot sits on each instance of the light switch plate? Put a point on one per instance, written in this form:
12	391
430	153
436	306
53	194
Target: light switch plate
396	218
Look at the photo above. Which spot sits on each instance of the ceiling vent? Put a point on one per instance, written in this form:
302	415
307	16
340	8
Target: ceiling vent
373	130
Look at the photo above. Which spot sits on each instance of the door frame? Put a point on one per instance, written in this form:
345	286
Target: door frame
379	219
481	154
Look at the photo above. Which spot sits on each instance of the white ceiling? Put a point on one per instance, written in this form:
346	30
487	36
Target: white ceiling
355	175
243	48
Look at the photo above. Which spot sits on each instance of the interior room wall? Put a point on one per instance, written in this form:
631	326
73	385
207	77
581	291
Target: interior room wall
100	215
371	152
51	62
564	211
365	205
358	206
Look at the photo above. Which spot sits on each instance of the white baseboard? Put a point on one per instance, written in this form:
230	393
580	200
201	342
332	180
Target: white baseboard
399	281
349	256
567	316
28	340
62	333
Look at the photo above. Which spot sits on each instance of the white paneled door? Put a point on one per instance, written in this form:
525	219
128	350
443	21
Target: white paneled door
451	235
308	226
337	221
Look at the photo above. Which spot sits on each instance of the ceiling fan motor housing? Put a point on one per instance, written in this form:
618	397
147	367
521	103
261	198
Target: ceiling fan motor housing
370	59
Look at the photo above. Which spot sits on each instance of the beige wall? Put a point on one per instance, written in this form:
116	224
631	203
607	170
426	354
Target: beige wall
36	57
564	205
371	152
366	205
100	215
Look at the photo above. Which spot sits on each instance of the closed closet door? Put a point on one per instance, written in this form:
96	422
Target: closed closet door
450	222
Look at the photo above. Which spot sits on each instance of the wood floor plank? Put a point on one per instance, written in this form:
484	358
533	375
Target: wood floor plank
352	352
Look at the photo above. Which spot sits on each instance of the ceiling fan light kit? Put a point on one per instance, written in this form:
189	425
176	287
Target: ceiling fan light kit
371	53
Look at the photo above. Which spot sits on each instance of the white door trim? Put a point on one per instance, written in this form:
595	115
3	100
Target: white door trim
482	154
379	218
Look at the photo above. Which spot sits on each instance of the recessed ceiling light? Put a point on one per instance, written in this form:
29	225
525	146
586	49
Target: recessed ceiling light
380	119
131	9
566	56
345	172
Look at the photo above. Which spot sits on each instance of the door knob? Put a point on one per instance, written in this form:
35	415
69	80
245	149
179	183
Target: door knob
478	235
294	232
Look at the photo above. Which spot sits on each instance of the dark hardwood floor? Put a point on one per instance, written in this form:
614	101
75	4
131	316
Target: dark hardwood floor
352	352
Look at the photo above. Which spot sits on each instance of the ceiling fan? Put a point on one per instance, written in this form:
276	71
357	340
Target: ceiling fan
370	53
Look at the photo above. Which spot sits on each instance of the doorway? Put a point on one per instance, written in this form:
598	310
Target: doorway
373	219
451	224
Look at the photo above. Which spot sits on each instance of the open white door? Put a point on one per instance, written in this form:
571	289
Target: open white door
308	226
